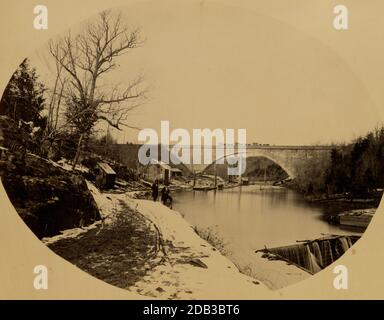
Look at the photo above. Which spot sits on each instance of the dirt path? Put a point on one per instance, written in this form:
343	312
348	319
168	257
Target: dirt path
119	253
150	250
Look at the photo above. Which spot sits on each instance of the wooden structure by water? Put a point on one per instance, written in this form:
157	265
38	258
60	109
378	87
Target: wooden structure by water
357	218
204	188
106	176
312	255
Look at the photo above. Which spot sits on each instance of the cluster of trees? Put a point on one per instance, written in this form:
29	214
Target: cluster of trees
356	168
23	102
262	168
63	116
312	176
23	97
359	167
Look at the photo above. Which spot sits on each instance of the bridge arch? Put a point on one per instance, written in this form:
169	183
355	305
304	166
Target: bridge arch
255	153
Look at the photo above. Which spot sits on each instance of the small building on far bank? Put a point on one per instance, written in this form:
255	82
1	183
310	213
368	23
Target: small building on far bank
105	176
158	170
175	172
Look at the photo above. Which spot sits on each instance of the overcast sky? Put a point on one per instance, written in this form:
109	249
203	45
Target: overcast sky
211	66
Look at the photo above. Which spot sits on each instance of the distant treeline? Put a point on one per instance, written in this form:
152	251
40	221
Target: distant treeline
259	169
356	168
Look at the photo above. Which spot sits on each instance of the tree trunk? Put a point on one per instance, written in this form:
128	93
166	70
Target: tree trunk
51	107
77	151
58	106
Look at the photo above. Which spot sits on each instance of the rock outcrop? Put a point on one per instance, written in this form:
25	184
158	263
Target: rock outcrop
47	197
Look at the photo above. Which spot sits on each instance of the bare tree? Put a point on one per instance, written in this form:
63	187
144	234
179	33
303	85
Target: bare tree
51	131
86	58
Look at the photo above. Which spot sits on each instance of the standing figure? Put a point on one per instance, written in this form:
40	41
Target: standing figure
155	190
165	196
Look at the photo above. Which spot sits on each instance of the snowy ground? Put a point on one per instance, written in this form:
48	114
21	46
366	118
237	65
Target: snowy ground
186	266
275	274
191	268
107	206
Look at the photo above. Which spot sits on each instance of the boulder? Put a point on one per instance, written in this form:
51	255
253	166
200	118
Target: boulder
48	198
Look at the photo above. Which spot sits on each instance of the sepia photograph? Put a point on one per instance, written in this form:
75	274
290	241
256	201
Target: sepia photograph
192	151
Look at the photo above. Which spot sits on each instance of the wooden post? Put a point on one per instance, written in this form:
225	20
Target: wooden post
265	176
240	164
215	167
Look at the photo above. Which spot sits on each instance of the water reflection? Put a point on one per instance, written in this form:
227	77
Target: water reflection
250	218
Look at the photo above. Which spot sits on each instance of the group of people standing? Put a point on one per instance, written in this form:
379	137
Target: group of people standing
165	193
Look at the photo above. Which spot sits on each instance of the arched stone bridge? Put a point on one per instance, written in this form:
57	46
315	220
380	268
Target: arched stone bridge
290	158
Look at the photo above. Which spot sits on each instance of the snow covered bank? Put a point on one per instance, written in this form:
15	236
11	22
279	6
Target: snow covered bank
185	266
191	268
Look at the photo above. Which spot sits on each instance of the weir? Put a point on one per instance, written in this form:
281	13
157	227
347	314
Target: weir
313	255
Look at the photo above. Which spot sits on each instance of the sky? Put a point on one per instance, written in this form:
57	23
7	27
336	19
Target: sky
215	66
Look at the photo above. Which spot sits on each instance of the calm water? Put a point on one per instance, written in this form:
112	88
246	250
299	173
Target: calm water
248	218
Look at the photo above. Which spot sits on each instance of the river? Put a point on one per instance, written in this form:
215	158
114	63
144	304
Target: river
248	218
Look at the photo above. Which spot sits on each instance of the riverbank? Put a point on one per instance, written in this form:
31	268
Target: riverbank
274	274
150	250
119	249
250	218
191	268
335	208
